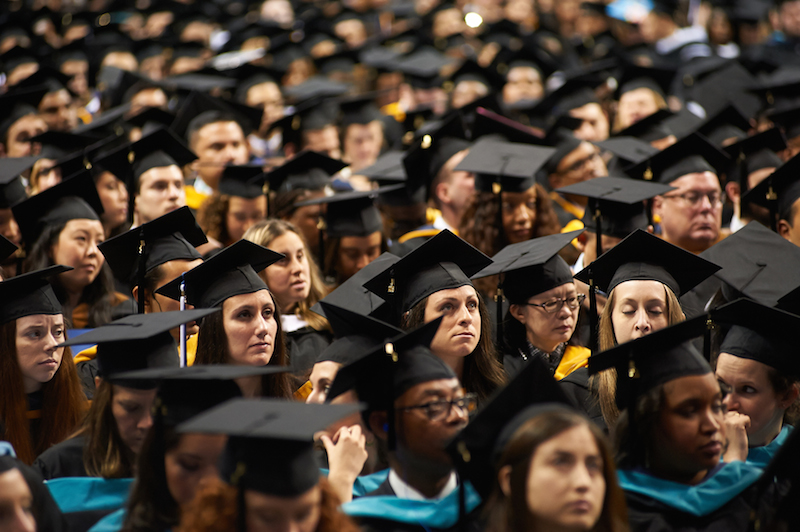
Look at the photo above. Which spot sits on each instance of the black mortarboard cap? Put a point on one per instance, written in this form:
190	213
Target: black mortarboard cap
7	248
531	267
173	236
476	449
12	190
150	119
15	57
75	198
779	191
352	295
761	333
628	150
198	103
260	431
45	76
689	155
355	334
311	115
729	122
754	153
157	149
757	263
510	165
29	294
650	128
382	375
387	168
488	122
308	169
359	110
565	143
350	213
657	79
618	201
423	66
242	181
315	88
655	359
18	103
232	271
138	341
444	261
470	70
643	256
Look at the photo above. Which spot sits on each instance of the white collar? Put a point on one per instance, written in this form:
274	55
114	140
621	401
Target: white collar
202	187
291	322
404	491
440	224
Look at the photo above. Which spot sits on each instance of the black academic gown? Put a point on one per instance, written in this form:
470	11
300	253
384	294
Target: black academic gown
62	460
303	347
649	515
576	387
389	525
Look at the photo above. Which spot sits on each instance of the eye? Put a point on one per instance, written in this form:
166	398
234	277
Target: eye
445	307
243	314
472	305
267	313
748	389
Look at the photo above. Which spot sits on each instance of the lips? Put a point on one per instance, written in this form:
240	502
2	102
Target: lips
51	362
714	447
464	335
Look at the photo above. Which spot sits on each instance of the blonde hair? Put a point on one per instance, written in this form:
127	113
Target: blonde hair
604	384
263	233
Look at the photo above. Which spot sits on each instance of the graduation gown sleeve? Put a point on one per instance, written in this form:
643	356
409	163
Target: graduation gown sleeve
62	460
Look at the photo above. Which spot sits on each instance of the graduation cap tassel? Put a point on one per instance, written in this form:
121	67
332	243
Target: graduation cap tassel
707	339
321	227
184	360
592	314
499	297
142	268
598	229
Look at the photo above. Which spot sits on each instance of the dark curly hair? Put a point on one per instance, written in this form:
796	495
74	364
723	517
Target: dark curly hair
479	227
211	217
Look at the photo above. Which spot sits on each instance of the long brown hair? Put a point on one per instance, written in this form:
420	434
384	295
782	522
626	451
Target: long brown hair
511	513
63	401
483	372
604	384
104	454
263	233
211	217
214	509
479	227
212	348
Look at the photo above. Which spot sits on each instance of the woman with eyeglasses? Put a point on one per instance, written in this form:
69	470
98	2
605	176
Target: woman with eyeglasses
543	311
643	277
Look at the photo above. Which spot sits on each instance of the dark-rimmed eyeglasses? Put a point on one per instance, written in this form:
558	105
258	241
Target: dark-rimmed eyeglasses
554	305
438	410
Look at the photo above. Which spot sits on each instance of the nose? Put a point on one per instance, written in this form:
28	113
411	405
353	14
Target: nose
466	316
458	415
174	191
146	421
711	422
52	342
731	402
705	203
261	327
363	260
521	214
642	324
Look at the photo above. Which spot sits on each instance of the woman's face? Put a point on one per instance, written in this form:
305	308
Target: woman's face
519	215
16	503
640	308
322	375
114	195
566	486
460	331
753	395
131	410
37	354
289	278
190	462
635	105
546	331
268	513
242	214
249	323
689	433
77	247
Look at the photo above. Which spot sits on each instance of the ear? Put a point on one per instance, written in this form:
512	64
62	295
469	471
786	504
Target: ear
504	479
784	229
789	396
517	312
733	191
97	381
442	191
290	150
658	201
377	424
148	305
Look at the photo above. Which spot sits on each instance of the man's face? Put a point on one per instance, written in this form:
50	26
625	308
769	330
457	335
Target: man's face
579	165
18	143
150	97
691	216
595	122
160	191
523	83
421	440
459	186
791	231
324	141
362	144
217	145
78	71
56	110
790	18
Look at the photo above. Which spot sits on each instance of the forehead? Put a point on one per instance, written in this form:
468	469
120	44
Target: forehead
216	130
692	387
697	181
637	288
462	292
730	367
436	387
160	172
583	150
259	297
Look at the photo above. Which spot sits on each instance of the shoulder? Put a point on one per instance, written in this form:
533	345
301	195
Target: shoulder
64	459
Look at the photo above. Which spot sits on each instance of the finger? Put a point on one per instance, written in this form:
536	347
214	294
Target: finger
328	443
